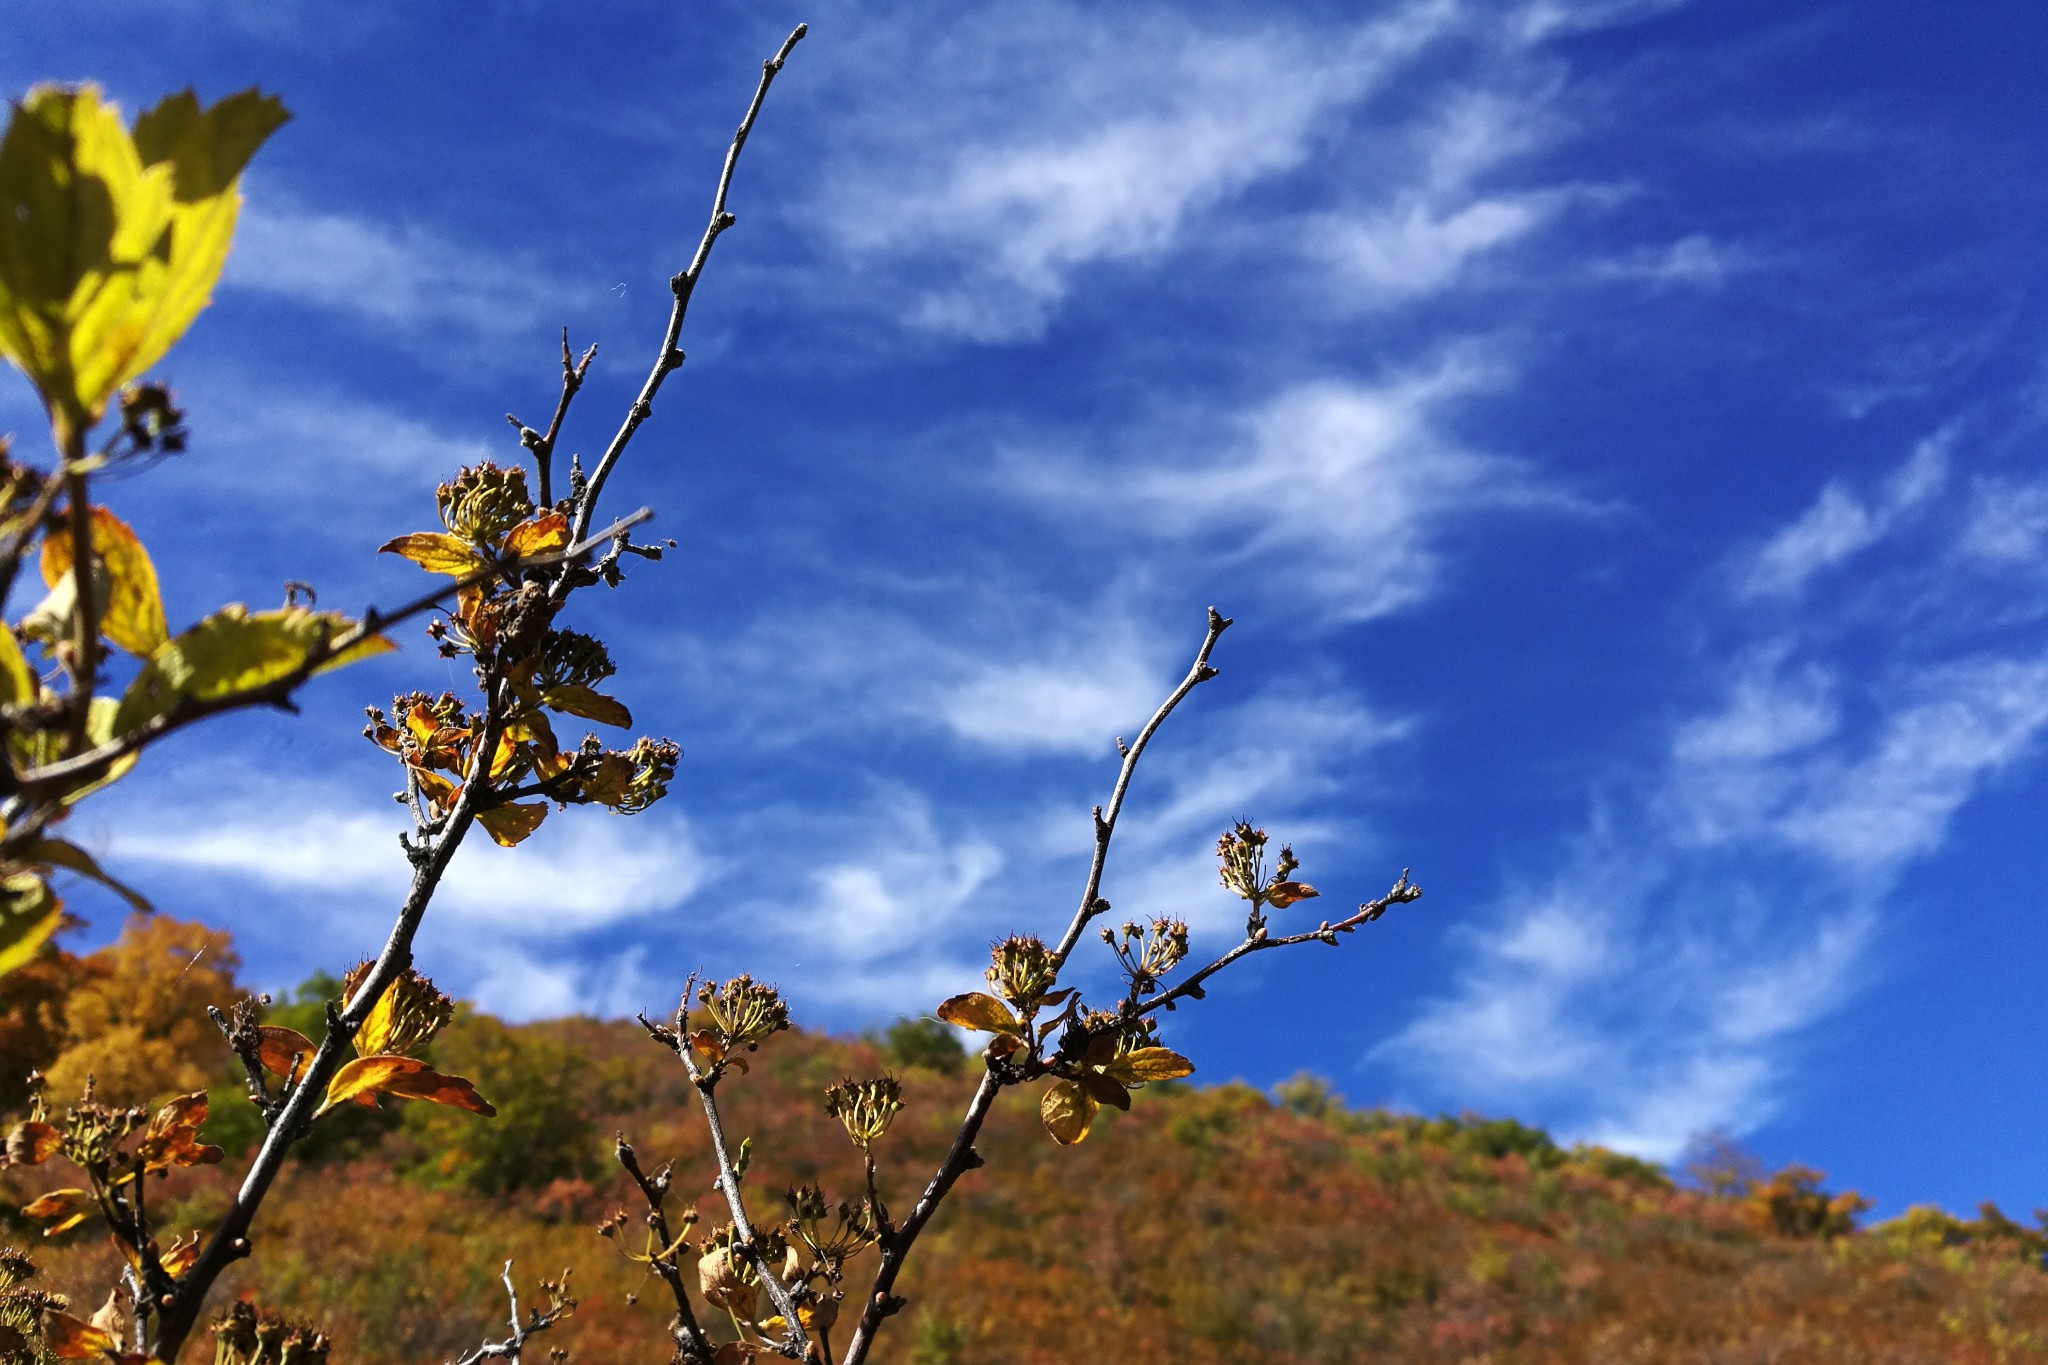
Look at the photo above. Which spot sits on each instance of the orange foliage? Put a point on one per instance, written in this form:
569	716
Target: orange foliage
136	1022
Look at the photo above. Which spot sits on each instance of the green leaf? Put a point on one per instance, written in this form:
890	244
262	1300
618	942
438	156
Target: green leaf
83	244
233	652
17	680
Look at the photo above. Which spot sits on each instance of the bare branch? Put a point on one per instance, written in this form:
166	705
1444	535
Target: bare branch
654	1189
684	285
1106	816
538	1320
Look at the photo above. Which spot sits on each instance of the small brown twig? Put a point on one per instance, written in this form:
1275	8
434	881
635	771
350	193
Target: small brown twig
537	1320
689	1336
543	445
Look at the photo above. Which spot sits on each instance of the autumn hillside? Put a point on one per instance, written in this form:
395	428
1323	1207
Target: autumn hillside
1207	1224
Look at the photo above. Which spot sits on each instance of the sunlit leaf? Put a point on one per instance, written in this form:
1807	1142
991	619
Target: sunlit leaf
284	1052
65	854
436	552
179	1256
61	1209
69	1338
83	227
435	787
507	825
537	536
32	1142
132	615
582	701
17	680
1067	1112
407	1078
172	1138
29	914
1149	1064
230	652
1280	895
980	1011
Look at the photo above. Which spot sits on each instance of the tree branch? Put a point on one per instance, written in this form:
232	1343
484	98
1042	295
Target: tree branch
537	1321
654	1189
683	286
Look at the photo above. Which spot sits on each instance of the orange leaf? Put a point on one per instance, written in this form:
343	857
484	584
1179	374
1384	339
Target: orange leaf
181	1254
538	535
435	787
32	1143
172	1138
510	824
62	1209
284	1052
1067	1112
436	552
69	1338
407	1078
980	1011
1149	1064
1280	895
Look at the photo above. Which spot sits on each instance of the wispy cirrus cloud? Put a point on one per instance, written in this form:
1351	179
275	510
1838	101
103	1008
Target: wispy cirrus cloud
1728	897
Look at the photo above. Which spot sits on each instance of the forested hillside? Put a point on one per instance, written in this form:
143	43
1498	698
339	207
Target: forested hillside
1210	1223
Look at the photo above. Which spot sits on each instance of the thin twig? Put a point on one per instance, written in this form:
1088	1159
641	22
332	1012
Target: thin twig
796	1344
654	1189
538	1321
684	285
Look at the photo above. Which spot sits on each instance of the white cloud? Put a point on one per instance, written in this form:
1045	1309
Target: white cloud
1843	523
413	284
998	196
1341	491
1729	896
583	869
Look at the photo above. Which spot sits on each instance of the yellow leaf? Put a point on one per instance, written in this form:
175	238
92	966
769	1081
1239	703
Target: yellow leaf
436	552
29	914
406	1077
110	244
435	787
180	1255
229	652
582	701
61	1209
65	854
172	1138
1149	1064
132	614
284	1052
538	535
510	824
981	1012
17	680
1067	1112
83	246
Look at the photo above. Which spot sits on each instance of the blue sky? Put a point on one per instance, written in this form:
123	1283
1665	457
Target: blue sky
1616	427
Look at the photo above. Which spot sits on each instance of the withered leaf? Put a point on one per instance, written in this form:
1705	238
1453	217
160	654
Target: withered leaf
62	1210
980	1011
172	1138
1280	895
1149	1064
69	1338
1067	1112
32	1143
407	1078
588	703
284	1052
